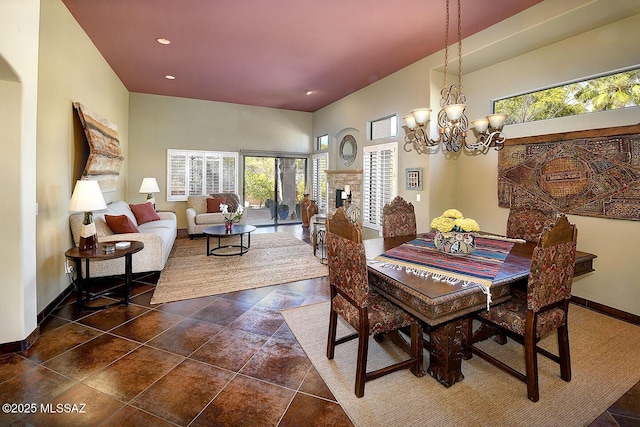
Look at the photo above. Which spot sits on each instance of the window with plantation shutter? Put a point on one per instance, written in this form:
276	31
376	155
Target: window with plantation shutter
319	181
177	175
379	182
200	172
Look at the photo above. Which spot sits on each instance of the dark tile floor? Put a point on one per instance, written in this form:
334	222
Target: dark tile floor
225	360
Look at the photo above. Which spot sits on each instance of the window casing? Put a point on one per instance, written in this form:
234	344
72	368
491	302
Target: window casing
192	172
322	143
386	127
319	181
380	165
606	92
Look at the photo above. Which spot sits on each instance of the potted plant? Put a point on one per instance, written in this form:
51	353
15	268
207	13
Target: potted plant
283	211
272	207
455	234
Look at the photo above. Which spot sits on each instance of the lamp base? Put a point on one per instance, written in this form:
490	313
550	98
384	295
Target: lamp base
151	199
88	243
88	237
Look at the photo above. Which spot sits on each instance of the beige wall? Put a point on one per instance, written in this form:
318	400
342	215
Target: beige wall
396	94
18	96
470	182
70	69
159	123
615	281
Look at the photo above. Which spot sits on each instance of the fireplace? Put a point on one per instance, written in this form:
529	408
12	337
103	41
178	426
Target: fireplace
337	179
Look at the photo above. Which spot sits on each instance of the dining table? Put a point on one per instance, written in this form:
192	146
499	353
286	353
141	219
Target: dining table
441	304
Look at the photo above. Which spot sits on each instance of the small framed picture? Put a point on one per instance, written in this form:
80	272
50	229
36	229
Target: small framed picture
414	179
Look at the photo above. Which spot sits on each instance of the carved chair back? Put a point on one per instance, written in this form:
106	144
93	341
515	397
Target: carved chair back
398	218
348	268
528	224
552	266
341	224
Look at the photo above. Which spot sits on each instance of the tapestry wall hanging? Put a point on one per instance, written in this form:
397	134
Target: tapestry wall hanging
105	157
591	173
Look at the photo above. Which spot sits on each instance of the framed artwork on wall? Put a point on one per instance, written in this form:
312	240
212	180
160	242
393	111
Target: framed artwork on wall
414	179
105	155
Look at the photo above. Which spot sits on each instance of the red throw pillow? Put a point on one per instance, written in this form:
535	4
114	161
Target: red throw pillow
213	204
144	212
120	224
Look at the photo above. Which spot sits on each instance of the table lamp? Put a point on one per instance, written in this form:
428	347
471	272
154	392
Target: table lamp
87	197
150	186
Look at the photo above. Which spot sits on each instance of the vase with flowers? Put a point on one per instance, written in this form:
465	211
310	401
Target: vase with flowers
455	234
230	217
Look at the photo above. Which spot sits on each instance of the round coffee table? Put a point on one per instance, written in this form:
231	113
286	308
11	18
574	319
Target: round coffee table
220	232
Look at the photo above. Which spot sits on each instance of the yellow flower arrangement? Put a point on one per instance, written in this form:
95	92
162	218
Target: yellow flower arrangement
453	220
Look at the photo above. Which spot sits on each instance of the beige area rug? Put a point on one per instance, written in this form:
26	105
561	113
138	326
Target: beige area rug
605	355
273	258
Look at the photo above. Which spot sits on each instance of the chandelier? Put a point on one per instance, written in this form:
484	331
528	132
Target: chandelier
452	120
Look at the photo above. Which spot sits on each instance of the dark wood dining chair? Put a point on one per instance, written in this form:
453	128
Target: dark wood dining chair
528	317
366	311
398	218
528	224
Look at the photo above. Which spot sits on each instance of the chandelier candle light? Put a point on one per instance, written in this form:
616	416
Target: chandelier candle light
452	120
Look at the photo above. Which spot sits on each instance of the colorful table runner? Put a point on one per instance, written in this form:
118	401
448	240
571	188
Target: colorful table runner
421	257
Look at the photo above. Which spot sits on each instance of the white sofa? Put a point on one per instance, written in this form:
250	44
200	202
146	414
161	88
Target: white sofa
158	238
197	217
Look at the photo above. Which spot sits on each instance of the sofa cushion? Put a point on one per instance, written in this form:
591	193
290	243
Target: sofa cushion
210	218
154	225
213	204
120	224
120	207
144	212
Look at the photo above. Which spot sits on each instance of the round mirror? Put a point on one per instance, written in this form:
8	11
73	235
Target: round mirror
348	149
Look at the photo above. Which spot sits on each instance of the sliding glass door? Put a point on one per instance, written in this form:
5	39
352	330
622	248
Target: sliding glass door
273	189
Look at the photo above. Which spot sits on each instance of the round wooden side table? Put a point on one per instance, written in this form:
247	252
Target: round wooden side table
83	284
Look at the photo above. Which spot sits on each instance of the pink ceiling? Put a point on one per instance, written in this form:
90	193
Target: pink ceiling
270	52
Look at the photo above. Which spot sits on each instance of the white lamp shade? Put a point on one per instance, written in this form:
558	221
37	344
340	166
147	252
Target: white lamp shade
481	125
410	121
421	115
497	120
454	111
87	197
347	188
149	185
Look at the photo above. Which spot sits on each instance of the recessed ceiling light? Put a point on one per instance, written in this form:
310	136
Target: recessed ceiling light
162	40
309	92
169	77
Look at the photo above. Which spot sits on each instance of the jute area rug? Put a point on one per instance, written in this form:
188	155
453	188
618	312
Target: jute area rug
273	258
605	355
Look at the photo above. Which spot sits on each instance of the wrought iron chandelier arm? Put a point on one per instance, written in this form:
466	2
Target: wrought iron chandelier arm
486	140
418	138
453	124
